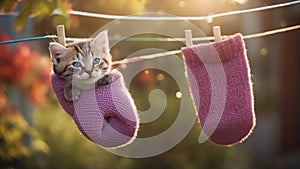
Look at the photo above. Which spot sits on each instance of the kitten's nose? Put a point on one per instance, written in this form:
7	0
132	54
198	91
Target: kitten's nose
89	72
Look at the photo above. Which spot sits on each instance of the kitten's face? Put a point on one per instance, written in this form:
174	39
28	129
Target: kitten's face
85	62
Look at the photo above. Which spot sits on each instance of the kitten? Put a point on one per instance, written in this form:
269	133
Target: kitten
85	65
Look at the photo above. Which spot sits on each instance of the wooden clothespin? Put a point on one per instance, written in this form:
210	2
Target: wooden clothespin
217	33
188	38
60	29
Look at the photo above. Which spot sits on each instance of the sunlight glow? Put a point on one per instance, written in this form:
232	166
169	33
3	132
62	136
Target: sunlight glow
178	94
181	4
160	77
123	66
264	51
146	72
240	1
209	19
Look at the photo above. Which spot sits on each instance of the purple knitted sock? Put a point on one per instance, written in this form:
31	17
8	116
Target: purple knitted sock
219	79
106	115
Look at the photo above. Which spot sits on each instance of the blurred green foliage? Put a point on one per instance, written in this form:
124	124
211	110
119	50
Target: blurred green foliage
19	141
38	8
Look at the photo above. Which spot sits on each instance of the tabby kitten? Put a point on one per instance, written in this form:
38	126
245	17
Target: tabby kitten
85	65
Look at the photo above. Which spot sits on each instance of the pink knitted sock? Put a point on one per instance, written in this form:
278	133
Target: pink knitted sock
219	79
106	115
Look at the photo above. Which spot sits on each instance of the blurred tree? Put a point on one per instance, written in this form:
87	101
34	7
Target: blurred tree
85	26
38	8
23	68
18	140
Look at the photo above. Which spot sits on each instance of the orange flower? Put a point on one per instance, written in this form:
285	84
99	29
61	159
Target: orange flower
23	68
38	92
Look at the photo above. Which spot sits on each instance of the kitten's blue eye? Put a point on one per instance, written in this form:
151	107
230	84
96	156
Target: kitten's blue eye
96	61
76	64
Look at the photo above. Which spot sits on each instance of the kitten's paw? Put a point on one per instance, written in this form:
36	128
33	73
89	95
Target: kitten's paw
76	94
70	94
107	79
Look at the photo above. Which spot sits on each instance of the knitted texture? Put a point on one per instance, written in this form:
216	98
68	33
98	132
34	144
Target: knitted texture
106	115
219	78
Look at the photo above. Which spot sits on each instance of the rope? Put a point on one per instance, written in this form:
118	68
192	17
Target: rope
197	39
176	18
156	55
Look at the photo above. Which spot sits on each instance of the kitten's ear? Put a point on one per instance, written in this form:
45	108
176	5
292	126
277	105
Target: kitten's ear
56	50
101	42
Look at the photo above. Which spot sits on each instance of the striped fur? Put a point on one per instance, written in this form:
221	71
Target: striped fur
83	64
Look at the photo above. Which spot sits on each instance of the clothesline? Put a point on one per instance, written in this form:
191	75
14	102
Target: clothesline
168	53
165	18
106	16
156	55
196	39
176	18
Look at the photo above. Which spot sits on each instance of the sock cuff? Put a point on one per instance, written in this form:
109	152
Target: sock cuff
104	92
224	50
